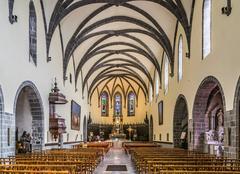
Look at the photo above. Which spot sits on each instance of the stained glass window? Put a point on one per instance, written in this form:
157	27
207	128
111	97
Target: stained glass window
104	104
32	33
131	104
118	104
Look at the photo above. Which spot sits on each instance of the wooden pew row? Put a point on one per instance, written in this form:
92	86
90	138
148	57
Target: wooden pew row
82	164
157	160
133	145
189	167
144	163
85	160
103	146
32	172
198	172
70	168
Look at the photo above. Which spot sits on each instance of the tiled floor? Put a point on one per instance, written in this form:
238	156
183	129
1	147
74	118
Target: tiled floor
115	156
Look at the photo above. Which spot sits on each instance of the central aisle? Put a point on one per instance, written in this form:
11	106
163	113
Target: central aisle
116	156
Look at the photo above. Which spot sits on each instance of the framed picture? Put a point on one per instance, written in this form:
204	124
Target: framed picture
75	115
160	112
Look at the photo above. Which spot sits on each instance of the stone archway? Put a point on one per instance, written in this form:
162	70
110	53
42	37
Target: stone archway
233	130
208	116
151	128
85	129
180	123
29	114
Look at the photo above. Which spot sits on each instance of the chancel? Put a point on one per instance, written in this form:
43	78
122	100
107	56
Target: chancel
126	86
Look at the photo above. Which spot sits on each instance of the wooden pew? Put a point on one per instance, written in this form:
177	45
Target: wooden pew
157	160
36	167
32	172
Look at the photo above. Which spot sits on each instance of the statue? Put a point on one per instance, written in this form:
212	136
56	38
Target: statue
221	134
219	119
220	128
25	143
210	136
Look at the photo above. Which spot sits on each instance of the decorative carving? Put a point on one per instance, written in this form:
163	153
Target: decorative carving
211	136
12	18
228	9
56	124
216	136
55	97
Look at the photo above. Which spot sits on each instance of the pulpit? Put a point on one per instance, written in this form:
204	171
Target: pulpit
56	124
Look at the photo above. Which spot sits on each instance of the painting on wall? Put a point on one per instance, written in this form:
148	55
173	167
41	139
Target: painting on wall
75	115
160	112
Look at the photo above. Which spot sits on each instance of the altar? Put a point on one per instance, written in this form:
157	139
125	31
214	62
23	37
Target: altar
117	131
115	136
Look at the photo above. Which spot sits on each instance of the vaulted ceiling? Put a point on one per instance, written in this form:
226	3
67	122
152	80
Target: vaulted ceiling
122	39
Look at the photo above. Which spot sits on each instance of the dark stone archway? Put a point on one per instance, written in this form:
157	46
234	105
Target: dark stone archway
180	123
29	102
151	128
209	100
233	143
85	129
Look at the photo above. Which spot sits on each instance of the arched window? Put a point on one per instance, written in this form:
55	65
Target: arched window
118	104
157	84
166	74
206	27
180	58
32	33
150	93
104	104
131	104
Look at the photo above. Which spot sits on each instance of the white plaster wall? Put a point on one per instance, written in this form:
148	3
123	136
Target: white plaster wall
222	63
15	67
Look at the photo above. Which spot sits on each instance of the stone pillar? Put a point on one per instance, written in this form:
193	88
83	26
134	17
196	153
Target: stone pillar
231	148
7	130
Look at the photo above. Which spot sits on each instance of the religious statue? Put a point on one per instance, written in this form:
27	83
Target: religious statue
25	144
220	118
220	128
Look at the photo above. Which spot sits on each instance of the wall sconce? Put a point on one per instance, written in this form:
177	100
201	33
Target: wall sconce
49	59
228	9
12	19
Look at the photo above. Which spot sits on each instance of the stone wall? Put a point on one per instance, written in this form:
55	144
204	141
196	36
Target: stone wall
37	119
8	134
230	135
180	113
